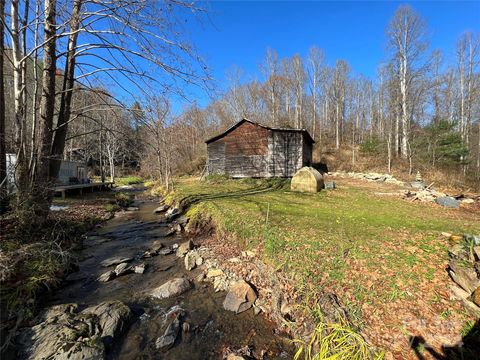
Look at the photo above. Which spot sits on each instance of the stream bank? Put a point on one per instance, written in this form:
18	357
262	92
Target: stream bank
200	327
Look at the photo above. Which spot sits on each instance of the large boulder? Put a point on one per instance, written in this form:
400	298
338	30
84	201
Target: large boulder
240	297
114	317
307	179
63	334
172	288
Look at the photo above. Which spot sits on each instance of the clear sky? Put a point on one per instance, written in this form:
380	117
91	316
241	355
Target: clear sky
240	32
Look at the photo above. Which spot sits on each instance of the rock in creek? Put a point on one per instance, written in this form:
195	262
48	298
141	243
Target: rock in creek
240	297
192	259
71	335
172	288
107	276
139	269
115	261
114	317
184	248
122	269
172	213
447	201
167	340
160	209
166	251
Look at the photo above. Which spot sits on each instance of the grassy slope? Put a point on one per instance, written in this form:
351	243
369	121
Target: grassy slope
383	256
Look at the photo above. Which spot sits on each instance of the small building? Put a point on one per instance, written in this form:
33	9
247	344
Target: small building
70	173
307	179
249	149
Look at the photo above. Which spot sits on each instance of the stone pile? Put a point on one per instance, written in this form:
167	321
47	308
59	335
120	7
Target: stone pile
372	176
464	269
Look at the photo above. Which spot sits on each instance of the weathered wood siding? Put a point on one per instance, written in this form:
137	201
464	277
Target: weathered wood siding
251	150
287	153
246	151
216	157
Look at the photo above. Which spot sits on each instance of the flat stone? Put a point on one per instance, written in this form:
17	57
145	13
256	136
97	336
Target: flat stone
139	269
156	246
240	297
172	288
122	269
132	208
458	251
467	201
107	276
167	340
166	251
115	261
447	201
160	209
214	273
463	275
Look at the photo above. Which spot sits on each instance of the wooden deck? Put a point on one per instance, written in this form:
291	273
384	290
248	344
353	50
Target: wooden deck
100	185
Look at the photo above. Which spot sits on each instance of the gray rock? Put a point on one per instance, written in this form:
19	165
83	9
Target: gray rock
107	276
167	340
184	248
70	335
448	202
132	208
148	254
464	275
172	213
172	288
115	261
114	317
166	251
190	260
122	269
160	209
156	246
139	269
240	297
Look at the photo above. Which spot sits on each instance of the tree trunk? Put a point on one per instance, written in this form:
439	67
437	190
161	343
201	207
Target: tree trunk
47	109
3	155
67	93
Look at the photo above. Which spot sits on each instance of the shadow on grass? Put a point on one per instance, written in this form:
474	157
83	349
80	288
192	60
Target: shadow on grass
188	201
467	349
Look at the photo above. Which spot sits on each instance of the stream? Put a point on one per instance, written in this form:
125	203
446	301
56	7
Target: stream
213	332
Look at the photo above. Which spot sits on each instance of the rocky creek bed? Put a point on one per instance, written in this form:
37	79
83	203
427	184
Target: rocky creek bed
143	290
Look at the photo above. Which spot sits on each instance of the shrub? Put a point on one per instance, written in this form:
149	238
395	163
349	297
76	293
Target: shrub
123	199
149	183
216	178
372	146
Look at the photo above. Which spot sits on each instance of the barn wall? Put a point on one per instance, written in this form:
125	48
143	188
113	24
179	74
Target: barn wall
287	153
246	151
216	157
71	169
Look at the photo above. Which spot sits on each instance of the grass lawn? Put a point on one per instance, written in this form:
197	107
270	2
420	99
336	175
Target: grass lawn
383	256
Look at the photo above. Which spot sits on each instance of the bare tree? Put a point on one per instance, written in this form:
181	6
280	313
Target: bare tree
406	37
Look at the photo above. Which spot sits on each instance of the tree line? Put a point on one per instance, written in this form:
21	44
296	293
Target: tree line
418	111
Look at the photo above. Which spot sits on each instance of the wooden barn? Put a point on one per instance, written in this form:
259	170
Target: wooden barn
249	149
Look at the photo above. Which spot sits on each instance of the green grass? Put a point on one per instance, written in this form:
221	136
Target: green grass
370	249
128	180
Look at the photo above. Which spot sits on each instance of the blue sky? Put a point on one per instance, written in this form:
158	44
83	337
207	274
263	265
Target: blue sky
240	32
